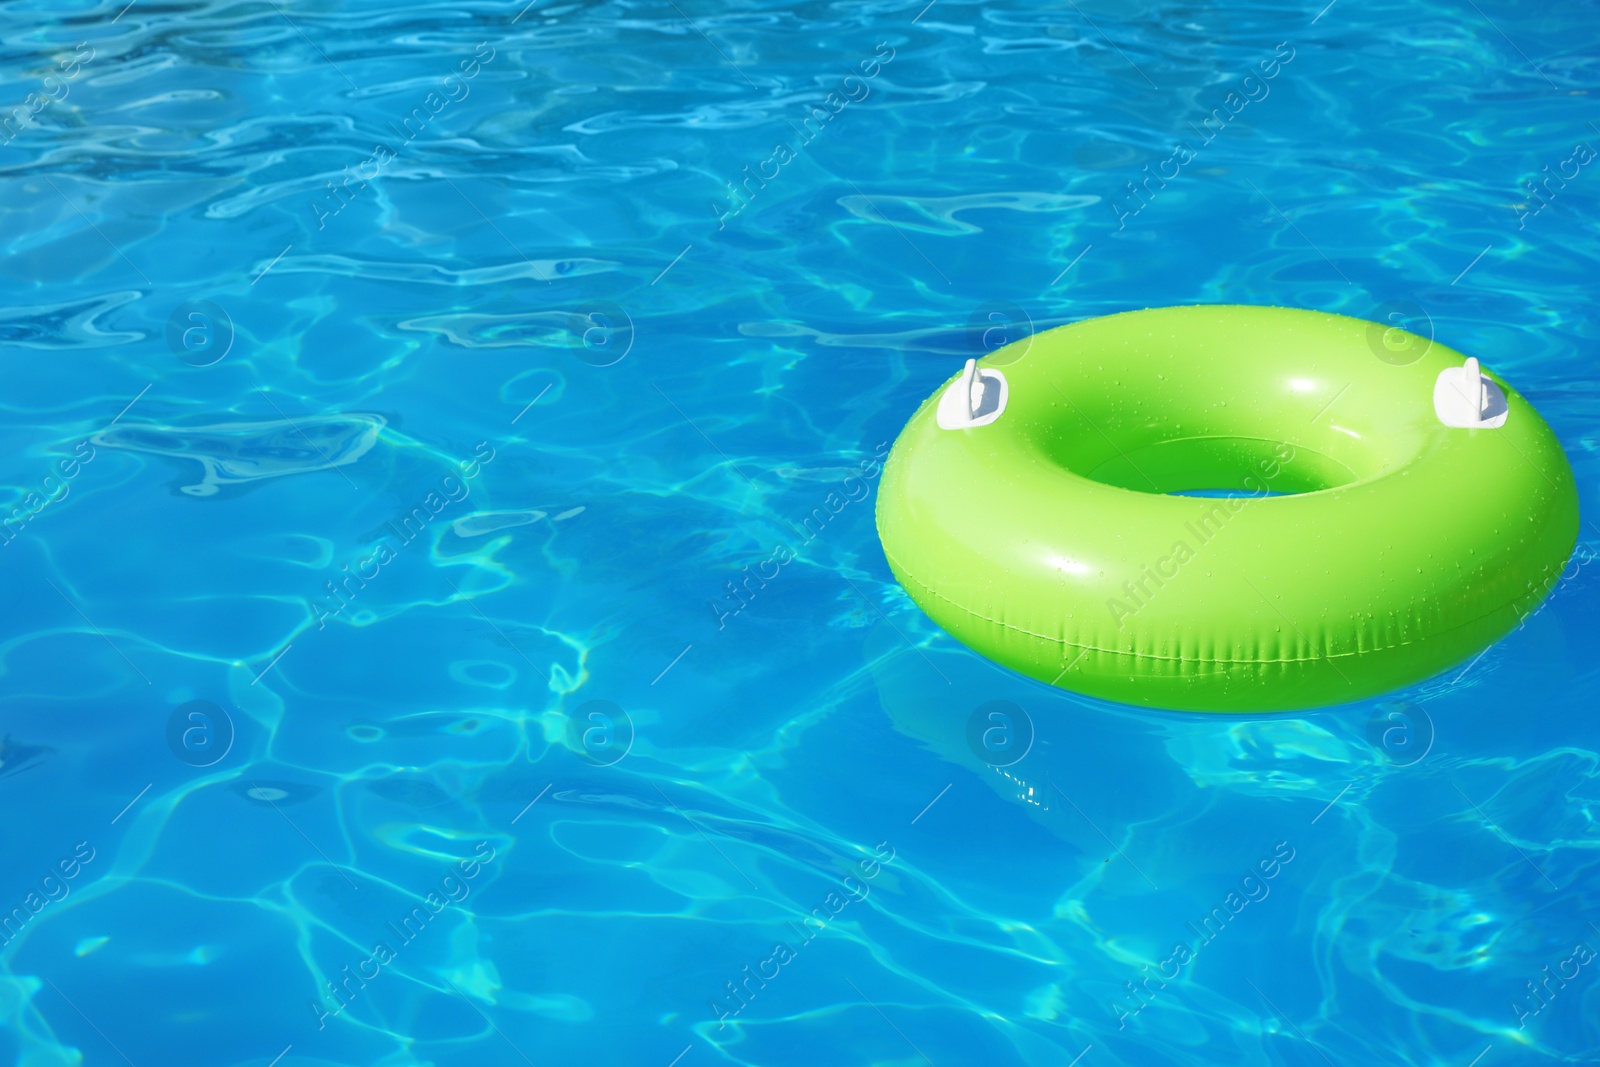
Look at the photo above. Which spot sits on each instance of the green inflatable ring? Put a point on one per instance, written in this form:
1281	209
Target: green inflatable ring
1396	510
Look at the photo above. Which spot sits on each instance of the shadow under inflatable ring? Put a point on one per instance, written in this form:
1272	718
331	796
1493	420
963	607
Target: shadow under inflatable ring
1373	523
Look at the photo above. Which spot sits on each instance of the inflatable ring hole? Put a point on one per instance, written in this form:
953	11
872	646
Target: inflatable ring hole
1223	466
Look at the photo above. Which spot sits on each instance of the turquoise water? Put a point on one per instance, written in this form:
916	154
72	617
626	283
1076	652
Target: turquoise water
392	392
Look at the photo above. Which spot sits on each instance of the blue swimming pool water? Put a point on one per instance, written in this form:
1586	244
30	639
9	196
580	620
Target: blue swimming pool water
548	323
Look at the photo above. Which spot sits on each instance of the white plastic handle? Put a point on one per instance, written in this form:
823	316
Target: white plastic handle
1464	399
1472	387
976	398
972	388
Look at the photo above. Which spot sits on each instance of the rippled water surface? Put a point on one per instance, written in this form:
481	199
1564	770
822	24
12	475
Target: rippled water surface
392	392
